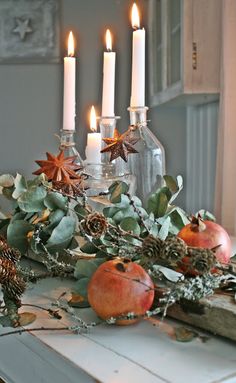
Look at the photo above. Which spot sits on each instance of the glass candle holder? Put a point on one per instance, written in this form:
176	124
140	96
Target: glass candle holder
67	143
148	165
103	174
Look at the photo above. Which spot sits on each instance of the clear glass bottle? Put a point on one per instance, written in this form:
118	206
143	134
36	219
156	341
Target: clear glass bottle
148	165
67	143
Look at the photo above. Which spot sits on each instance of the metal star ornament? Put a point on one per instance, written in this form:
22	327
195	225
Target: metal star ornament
121	145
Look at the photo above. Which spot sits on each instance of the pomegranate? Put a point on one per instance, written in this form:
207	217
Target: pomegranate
115	289
207	234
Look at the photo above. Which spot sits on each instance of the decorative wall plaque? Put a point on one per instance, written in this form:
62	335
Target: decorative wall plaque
29	30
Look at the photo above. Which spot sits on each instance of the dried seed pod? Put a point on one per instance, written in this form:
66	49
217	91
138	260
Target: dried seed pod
151	248
95	224
8	252
202	260
173	250
11	281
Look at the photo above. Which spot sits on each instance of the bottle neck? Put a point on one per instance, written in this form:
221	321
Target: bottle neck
138	115
67	139
67	143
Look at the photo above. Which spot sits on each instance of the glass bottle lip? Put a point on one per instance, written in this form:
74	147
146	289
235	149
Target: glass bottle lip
137	108
110	118
67	131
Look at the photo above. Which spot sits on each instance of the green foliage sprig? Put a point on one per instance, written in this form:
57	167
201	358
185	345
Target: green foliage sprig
37	209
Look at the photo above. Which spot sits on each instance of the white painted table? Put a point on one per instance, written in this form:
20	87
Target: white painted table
140	353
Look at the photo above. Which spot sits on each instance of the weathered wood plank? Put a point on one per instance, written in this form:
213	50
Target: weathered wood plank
216	314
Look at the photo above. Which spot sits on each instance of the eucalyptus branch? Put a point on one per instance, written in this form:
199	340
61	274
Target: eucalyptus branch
121	238
137	211
75	329
53	313
51	262
69	196
69	310
122	232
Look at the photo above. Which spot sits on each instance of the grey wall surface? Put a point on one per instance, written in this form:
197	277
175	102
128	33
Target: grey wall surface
31	95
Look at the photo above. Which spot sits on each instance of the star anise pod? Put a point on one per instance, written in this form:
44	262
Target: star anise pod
57	167
121	145
69	186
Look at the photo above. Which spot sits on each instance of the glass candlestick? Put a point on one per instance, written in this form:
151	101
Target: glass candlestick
148	165
67	143
103	174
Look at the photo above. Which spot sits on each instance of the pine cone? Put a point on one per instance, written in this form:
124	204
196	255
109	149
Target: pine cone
8	252
95	224
151	248
173	250
15	287
11	282
202	260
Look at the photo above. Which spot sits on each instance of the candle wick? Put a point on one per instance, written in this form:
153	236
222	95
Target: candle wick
109	50
136	27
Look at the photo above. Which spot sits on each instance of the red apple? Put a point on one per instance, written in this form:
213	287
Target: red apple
115	289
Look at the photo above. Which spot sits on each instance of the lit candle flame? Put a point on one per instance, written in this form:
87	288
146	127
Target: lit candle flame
135	17
93	119
108	40
71	49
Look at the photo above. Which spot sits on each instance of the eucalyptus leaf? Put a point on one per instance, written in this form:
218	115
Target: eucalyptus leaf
81	287
171	183
86	267
171	275
112	250
178	219
17	234
123	203
55	201
41	179
6	180
180	187
7	192
154	230
116	189
80	212
62	235
89	248
18	216
33	199
157	204
4	225
110	211
137	201
164	230
206	215
129	224
184	334
124	213
166	191
54	219
20	186
101	254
